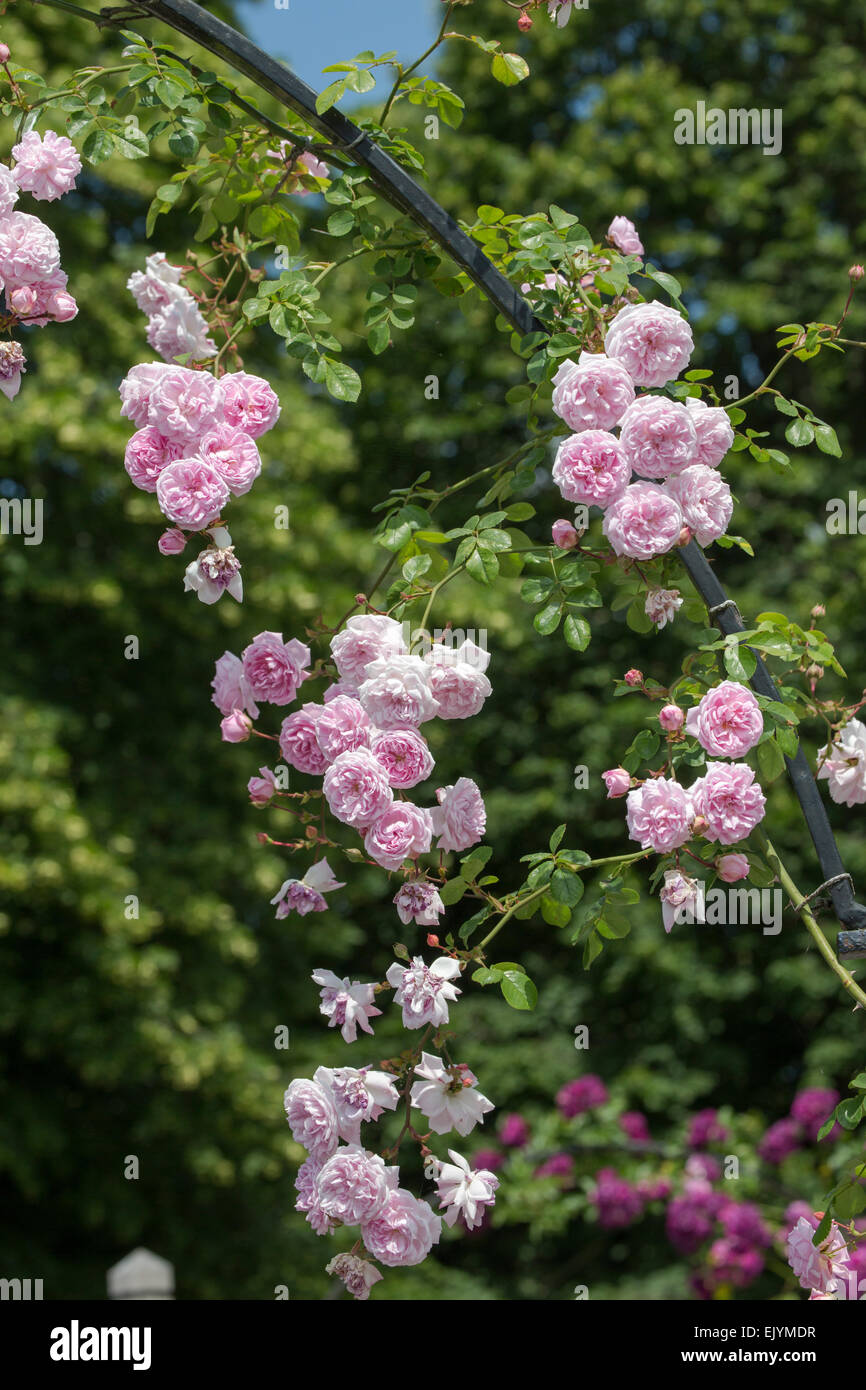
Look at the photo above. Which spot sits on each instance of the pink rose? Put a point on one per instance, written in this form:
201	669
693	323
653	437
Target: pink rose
401	831
564	535
137	388
43	301
346	1004
591	468
171	542
457	679
714	431
262	789
659	815
592	393
671	718
728	721
236	727
404	1231
661	606
312	1118
191	493
8	188
248	403
460	818
680	893
617	781
230	687
180	331
184	404
158	285
46	165
365	638
299	743
396	691
358	1275
356	788
623	233
234	456
147	453
404	755
821	1268
643	522
352	1185
419	901
842	764
705	500
29	251
729	800
275	668
732	867
657	437
12	361
342	726
423	992
653	343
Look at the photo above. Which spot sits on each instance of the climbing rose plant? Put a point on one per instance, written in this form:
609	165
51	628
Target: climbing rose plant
640	444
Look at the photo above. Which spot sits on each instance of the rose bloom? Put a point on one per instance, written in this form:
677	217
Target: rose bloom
714	431
592	393
158	285
652	341
447	1100
248	403
184	404
727	722
180	331
730	801
299	743
657	437
360	1095
46	165
623	233
342	727
578	1096
457	679
356	788
312	1118
424	993
234	456
732	867
352	1185
216	570
191	493
365	638
661	606
137	388
659	815
8	190
404	1232
171	542
820	1268
346	1004
230	687
396	692
358	1275
465	1191
29	251
705	500
591	468
563	534
404	755
236	727
402	831
147	454
275	668
419	901
262	789
460	818
617	781
643	522
812	1108
842	764
679	893
43	301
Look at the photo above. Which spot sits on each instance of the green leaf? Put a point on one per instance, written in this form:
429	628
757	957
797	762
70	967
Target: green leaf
849	1112
518	990
330	96
483	566
577	632
547	620
509	68
472	923
534	590
342	381
418	565
740	662
453	890
770	760
800	433
473	863
98	146
825	438
554	913
566	887
556	837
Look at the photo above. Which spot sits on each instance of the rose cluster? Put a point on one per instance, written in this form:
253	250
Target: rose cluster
342	1183
176	327
364	740
45	166
657	480
195	447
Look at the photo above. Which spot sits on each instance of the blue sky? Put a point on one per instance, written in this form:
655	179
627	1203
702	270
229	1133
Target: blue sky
309	34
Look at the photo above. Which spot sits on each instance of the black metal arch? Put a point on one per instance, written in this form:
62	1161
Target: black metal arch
405	194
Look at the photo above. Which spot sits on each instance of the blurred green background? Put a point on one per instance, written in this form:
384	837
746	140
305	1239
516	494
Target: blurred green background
154	1036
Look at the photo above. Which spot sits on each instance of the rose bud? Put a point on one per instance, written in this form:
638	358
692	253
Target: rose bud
671	718
633	676
564	534
732	867
617	781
